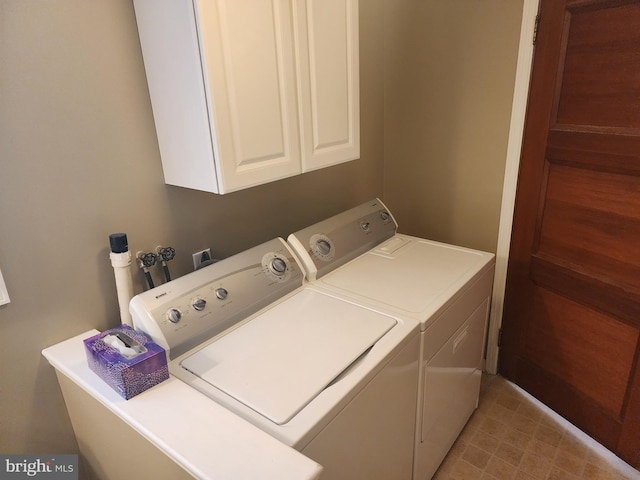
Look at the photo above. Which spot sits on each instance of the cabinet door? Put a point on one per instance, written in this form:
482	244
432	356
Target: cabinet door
247	50
328	68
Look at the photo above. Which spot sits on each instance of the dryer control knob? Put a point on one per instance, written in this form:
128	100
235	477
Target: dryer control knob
199	304
174	315
365	226
384	215
221	293
278	266
323	247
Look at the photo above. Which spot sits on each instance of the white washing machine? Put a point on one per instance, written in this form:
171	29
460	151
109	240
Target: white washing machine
324	374
358	254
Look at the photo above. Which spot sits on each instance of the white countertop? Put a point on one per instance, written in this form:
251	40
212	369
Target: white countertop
203	437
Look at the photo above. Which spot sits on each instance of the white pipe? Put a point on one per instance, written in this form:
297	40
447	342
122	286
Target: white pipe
121	263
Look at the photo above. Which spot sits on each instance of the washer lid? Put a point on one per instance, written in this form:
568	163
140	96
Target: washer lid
282	359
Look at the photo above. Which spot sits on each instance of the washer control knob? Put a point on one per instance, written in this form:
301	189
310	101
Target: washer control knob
174	315
323	246
199	304
221	293
365	226
384	215
278	266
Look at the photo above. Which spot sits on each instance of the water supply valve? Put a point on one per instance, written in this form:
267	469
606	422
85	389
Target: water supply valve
165	254
146	260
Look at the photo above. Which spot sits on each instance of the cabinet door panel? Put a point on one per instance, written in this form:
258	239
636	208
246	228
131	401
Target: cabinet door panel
327	33
248	54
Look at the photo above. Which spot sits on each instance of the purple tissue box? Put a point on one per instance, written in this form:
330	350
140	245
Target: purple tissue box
127	360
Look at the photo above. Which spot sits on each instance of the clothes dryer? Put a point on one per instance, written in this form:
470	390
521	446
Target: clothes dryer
358	254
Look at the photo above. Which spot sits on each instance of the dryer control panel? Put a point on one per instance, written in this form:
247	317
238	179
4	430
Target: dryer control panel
328	244
191	309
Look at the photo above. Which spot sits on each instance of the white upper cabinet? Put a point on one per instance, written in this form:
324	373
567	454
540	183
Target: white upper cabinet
245	92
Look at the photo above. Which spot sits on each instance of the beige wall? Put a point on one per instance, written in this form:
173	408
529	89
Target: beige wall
449	77
79	160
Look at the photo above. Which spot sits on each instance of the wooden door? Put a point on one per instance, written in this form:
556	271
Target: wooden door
572	309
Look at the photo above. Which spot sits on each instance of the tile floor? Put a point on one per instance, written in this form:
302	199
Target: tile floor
513	436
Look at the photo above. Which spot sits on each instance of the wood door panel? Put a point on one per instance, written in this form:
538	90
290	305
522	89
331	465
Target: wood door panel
572	340
585	235
594	191
589	228
577	226
597	88
571	326
565	279
603	149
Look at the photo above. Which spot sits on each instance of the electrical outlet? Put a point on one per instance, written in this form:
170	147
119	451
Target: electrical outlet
198	257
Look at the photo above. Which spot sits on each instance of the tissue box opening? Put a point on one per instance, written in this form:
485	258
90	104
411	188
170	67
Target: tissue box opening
137	366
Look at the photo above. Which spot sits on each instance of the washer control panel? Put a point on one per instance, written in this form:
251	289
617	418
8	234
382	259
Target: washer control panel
189	310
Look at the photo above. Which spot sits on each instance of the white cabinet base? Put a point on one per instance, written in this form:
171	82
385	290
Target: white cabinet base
103	458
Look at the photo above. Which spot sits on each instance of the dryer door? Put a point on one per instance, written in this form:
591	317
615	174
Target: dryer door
451	387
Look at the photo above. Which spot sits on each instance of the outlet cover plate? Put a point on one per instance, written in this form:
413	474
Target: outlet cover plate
197	257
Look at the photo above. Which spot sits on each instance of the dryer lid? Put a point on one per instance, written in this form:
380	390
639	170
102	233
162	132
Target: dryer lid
282	359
